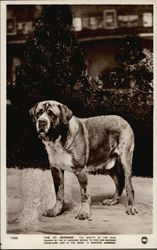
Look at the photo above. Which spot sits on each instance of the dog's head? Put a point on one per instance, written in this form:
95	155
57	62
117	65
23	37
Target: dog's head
51	118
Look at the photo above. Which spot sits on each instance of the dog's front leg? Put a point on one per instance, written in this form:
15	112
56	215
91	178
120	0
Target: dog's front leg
84	212
58	179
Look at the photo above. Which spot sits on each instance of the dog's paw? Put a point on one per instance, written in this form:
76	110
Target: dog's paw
50	213
84	212
83	215
53	211
110	202
131	210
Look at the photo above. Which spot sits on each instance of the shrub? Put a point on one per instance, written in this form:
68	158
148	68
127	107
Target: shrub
53	64
134	67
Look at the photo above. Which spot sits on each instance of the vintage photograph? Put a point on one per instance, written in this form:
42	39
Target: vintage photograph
79	122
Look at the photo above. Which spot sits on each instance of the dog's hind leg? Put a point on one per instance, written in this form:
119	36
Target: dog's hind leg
117	175
58	179
126	160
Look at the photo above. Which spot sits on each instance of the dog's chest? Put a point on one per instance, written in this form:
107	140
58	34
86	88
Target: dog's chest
58	157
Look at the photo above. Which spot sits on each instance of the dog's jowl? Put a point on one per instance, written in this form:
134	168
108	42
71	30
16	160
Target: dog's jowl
102	144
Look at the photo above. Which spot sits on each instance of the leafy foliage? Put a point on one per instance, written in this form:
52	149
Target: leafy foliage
53	61
134	67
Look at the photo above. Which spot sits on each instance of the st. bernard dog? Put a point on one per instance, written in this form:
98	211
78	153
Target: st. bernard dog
101	144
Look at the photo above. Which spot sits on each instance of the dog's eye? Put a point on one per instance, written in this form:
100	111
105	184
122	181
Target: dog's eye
40	112
50	113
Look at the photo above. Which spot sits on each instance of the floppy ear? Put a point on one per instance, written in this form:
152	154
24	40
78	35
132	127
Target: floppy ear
66	114
32	112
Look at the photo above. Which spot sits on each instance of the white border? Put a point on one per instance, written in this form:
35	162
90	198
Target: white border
36	241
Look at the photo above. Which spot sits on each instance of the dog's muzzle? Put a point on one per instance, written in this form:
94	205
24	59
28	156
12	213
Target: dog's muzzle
42	128
42	124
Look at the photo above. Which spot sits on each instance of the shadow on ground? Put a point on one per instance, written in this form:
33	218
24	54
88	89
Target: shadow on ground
30	192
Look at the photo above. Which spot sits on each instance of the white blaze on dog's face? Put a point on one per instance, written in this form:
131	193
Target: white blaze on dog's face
50	117
46	114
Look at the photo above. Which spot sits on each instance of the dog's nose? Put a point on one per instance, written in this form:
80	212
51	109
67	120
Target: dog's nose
42	123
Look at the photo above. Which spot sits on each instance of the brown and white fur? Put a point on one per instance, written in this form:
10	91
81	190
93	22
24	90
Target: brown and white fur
102	144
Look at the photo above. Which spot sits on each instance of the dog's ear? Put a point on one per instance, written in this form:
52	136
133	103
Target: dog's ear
66	113
32	112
